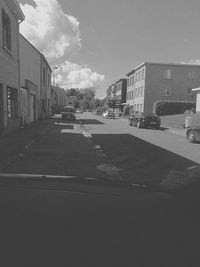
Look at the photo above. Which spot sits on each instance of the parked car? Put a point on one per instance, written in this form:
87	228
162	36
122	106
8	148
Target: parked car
98	112
109	114
193	134
142	120
68	113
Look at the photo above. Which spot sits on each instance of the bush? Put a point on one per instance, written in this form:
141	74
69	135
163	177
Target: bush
172	108
126	110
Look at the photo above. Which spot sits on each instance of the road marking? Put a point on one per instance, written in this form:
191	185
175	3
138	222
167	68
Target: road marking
97	147
89	178
86	134
192	167
172	132
34	176
139	185
109	169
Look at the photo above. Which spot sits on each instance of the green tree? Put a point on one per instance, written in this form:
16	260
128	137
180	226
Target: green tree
111	102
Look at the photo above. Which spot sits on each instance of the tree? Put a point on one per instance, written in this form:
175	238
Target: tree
127	109
111	102
85	97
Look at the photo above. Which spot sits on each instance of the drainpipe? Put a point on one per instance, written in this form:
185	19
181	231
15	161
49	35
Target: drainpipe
19	66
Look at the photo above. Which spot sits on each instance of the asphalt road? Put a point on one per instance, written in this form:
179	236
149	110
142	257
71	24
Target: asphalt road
99	148
60	221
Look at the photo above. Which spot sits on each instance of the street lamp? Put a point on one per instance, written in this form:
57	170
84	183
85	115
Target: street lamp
54	68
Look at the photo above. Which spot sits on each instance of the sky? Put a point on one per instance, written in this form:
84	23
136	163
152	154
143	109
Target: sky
96	42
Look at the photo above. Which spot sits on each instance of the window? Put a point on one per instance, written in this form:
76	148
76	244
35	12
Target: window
12	103
132	79
6	30
167	74
142	74
142	91
44	76
132	94
141	107
49	80
189	91
136	92
190	75
43	105
166	92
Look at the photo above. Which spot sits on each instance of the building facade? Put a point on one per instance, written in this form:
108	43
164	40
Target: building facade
108	93
151	83
121	90
196	91
10	18
45	89
113	90
58	99
30	62
35	81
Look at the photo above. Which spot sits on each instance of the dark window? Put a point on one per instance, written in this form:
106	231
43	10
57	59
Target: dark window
43	105
6	30
44	76
12	103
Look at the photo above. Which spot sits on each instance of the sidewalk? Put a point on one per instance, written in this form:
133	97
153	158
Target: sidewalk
174	130
13	145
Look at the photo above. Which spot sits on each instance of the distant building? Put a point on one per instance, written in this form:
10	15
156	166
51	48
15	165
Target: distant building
45	89
35	80
30	80
58	99
108	93
151	83
113	90
10	18
121	90
197	92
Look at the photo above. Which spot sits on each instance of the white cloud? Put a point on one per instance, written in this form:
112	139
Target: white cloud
52	31
72	75
57	36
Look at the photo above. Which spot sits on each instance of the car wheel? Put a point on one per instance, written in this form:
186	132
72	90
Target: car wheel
139	125
191	137
157	127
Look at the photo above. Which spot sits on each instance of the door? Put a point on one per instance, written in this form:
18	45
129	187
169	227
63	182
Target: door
24	106
32	108
1	108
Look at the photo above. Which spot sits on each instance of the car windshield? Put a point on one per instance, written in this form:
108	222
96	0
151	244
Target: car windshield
68	110
134	120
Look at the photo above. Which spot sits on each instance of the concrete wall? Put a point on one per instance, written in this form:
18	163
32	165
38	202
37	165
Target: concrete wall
9	67
45	89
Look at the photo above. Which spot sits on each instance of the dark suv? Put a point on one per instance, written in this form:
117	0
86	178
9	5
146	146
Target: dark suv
142	120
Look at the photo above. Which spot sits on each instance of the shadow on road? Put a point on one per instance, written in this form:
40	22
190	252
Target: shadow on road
140	160
90	121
